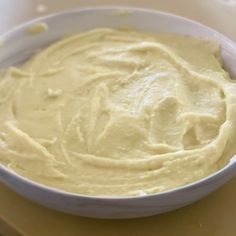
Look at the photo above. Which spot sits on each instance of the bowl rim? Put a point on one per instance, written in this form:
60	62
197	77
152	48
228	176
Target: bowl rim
130	9
52	190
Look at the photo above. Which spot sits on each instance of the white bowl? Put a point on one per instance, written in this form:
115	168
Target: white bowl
19	45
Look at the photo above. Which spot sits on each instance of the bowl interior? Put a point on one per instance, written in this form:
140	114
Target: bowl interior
19	44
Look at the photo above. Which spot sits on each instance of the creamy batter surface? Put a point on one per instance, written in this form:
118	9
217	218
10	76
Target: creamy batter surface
118	112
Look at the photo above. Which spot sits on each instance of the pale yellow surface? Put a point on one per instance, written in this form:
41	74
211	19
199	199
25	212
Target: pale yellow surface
118	112
214	215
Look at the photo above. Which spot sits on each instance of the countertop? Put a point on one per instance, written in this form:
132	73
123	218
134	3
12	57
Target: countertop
212	216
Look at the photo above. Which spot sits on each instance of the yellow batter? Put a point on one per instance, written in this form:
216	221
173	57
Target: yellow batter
118	112
37	28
